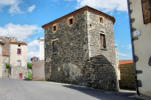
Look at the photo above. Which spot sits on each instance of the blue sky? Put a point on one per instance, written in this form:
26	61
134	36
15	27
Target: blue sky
23	19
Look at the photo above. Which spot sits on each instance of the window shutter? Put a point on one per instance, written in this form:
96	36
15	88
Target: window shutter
146	7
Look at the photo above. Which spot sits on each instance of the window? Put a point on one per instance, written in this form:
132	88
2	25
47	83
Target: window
55	45
103	41
19	63
18	45
19	51
146	8
70	21
101	20
54	28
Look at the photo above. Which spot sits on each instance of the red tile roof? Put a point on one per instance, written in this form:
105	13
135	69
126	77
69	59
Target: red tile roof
4	53
125	62
17	42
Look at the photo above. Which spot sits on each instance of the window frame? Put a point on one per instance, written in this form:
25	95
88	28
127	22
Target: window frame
99	18
146	20
53	46
103	44
19	51
69	19
56	27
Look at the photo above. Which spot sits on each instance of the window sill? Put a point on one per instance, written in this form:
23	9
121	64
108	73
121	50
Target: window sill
104	49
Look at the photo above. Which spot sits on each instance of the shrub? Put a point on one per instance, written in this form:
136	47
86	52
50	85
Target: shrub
29	65
7	66
29	75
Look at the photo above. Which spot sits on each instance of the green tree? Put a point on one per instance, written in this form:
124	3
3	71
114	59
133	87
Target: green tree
29	65
7	66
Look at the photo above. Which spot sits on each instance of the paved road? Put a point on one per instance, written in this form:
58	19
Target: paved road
33	90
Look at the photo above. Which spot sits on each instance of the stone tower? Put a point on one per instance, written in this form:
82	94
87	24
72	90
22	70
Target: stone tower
80	49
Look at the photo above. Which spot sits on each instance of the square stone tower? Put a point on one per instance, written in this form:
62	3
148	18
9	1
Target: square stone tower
80	49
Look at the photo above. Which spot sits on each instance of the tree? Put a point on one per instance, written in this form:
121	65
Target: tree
29	65
7	66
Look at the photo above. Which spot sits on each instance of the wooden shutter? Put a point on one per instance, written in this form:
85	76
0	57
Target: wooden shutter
146	7
103	41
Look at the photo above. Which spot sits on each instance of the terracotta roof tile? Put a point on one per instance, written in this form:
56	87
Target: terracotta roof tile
17	42
125	62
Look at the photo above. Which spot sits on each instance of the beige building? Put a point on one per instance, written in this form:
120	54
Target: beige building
41	40
38	68
140	18
14	53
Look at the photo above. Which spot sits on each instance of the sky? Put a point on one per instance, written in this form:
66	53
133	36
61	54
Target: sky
23	19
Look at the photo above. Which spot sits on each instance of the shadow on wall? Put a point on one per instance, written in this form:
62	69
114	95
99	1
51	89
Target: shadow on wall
100	73
96	72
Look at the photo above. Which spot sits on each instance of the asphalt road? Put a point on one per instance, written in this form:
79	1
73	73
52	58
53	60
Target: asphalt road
33	90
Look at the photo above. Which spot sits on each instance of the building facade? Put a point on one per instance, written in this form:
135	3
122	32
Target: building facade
41	40
14	54
140	21
80	49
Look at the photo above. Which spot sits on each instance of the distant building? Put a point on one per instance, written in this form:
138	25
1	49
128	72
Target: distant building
38	69
80	49
127	76
41	40
13	53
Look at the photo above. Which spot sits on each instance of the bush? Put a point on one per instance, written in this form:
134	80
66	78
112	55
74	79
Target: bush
29	75
7	66
29	65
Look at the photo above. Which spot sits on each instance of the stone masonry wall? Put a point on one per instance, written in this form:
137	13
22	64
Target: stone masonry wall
80	58
100	70
127	77
66	64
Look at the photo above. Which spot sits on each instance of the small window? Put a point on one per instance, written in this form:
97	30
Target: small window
146	7
19	63
19	51
55	45
54	28
103	41
70	21
18	45
101	20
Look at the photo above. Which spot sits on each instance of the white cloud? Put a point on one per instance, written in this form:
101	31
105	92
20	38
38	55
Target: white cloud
105	5
33	49
13	5
19	31
31	8
124	54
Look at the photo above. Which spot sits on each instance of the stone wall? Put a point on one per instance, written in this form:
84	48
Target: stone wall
102	60
16	71
38	73
127	77
80	59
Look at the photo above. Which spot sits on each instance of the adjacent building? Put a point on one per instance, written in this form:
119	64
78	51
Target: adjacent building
80	49
38	69
127	76
41	40
13	54
140	21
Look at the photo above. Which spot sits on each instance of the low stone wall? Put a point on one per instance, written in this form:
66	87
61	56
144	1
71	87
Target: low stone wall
127	77
38	71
